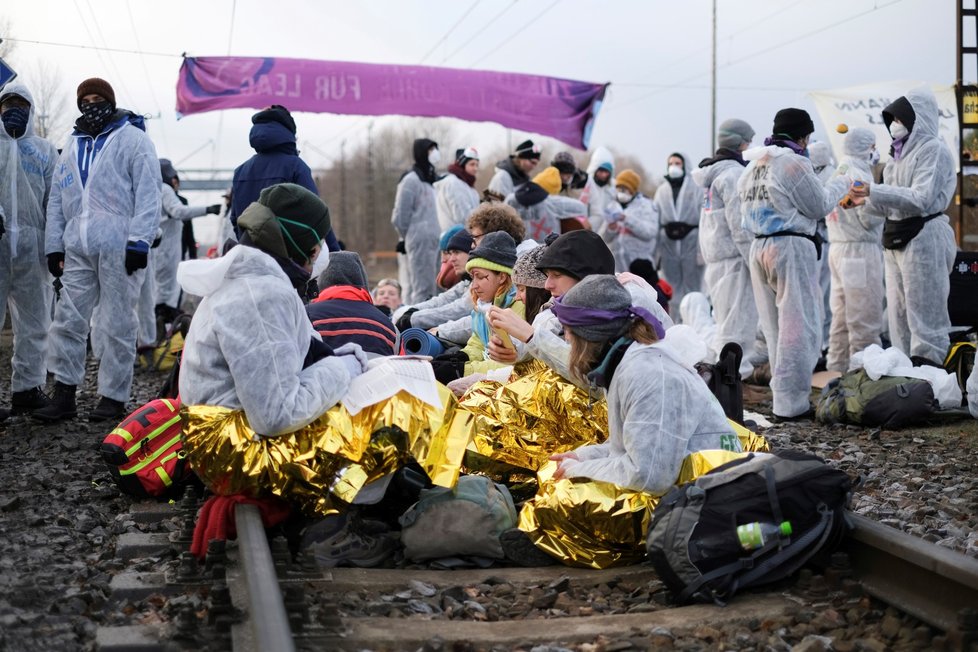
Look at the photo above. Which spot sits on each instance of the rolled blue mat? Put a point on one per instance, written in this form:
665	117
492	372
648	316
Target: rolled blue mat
417	341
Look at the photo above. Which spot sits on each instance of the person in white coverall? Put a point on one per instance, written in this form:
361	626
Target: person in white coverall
856	261
415	217
631	223
820	155
678	201
514	171
781	202
457	196
918	184
102	215
279	373
599	191
26	167
724	243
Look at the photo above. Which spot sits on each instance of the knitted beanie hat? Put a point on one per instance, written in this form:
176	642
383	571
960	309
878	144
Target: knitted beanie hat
794	123
275	113
460	241
629	180
527	149
549	180
578	253
496	252
733	133
525	271
564	162
287	220
599	292
446	236
98	87
345	268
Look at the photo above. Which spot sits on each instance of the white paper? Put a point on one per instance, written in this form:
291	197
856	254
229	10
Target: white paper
385	377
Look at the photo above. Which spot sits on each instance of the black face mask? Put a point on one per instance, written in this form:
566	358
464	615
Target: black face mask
15	121
602	183
96	115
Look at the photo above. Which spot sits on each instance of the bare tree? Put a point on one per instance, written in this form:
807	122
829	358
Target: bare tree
6	47
52	110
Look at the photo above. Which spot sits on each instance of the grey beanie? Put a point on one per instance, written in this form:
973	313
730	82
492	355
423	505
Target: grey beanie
345	268
733	133
600	292
525	271
167	170
497	247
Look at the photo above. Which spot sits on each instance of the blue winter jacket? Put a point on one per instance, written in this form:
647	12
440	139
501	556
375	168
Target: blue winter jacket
276	161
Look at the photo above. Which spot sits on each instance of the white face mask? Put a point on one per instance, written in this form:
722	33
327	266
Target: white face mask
675	171
874	157
434	156
624	196
897	130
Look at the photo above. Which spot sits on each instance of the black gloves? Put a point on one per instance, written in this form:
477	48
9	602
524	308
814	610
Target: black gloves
2	229
400	248
449	366
404	322
137	252
56	263
158	239
214	209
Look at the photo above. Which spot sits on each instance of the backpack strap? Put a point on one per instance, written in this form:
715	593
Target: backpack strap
772	494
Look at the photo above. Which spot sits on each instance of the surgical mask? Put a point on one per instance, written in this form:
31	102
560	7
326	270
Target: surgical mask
874	157
434	156
96	115
624	196
897	130
675	171
15	121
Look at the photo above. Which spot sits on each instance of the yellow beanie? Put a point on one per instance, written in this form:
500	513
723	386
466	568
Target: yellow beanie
549	180
628	179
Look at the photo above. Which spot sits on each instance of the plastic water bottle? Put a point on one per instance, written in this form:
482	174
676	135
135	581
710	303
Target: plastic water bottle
755	535
847	201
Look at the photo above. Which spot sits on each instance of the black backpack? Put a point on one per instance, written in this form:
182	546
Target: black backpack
723	379
693	540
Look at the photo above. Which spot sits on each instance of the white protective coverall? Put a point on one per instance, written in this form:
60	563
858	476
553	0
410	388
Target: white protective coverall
856	262
167	255
921	183
779	191
90	219
453	303
655	389
26	168
971	387
543	218
633	237
725	247
598	197
680	260
820	154
415	217
228	361
455	201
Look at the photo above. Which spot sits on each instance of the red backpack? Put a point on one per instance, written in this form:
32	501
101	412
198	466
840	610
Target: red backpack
145	454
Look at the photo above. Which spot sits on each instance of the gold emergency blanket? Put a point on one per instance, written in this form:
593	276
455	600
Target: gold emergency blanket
329	460
525	421
593	524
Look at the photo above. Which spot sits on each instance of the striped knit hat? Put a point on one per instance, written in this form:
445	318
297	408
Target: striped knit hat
496	252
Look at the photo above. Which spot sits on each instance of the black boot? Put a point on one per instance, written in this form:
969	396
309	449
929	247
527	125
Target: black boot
28	401
61	406
108	409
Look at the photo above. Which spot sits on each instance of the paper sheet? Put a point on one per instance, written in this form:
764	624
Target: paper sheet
385	377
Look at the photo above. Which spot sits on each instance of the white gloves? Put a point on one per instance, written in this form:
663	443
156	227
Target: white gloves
353	357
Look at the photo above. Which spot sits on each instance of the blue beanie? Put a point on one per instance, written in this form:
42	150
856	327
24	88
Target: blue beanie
446	236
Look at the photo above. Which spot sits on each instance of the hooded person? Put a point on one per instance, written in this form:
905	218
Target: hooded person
855	261
678	201
918	185
102	214
514	171
27	164
276	160
631	223
415	218
599	191
781	202
280	373
457	196
820	154
542	207
344	311
725	244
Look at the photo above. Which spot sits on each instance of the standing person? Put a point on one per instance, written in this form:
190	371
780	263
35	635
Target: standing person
541	206
781	202
457	196
823	163
724	243
631	223
103	214
679	218
276	160
27	164
856	261
571	177
599	191
415	217
514	171
918	184
166	256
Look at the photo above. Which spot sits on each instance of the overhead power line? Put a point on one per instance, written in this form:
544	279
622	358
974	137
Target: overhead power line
514	34
92	47
450	30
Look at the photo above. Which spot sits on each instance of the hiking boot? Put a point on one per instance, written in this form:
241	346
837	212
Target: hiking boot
108	409
807	415
344	541
61	406
28	401
519	549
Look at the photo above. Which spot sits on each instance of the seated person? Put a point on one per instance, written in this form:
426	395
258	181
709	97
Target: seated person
530	282
447	275
344	312
491	267
387	295
450	304
251	346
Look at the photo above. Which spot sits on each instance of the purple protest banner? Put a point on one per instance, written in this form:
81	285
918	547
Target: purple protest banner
561	108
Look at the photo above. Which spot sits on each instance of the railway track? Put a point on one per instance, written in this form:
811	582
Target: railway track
254	597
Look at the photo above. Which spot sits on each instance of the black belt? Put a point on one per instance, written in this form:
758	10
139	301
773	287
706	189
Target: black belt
816	239
897	234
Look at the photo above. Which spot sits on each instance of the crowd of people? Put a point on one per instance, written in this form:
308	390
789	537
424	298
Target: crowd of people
578	270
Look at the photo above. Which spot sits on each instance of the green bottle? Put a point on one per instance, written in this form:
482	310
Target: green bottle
755	535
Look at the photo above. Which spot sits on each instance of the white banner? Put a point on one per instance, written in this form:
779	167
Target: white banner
862	106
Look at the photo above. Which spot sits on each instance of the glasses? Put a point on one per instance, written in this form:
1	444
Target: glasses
389	281
476	238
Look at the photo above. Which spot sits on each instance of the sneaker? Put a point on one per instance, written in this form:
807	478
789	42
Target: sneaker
344	541
108	409
27	401
520	550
